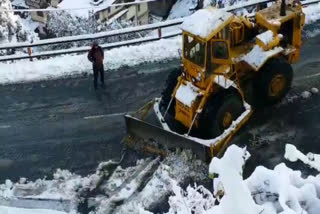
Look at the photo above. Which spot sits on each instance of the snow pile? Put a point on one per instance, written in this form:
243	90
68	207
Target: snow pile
312	13
203	22
235	192
314	90
281	190
293	154
257	57
265	37
65	187
152	183
306	94
187	94
73	65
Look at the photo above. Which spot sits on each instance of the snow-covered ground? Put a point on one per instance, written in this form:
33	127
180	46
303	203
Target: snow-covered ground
122	190
72	65
266	191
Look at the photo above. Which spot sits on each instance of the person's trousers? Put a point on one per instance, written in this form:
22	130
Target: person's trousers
98	70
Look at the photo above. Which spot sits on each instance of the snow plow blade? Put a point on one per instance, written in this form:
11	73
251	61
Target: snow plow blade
146	133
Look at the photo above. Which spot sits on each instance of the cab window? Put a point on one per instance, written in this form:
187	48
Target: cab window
220	50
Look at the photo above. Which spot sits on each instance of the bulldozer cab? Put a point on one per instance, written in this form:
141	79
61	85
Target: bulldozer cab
206	47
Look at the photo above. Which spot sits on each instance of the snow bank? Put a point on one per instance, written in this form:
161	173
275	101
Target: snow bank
187	94
203	22
73	65
281	190
236	193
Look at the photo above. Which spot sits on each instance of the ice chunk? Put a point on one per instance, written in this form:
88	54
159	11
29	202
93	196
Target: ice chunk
314	90
306	94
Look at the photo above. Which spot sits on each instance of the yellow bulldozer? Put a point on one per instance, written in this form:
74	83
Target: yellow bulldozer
230	66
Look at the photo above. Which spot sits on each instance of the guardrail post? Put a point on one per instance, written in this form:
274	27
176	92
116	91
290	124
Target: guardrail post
30	53
159	33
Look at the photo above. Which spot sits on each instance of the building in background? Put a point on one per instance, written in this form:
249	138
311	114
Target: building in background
105	12
137	13
40	16
161	7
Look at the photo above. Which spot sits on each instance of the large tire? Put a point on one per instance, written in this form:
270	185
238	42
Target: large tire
170	85
273	81
220	111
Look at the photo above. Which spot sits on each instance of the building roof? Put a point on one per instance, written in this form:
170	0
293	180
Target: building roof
83	4
205	21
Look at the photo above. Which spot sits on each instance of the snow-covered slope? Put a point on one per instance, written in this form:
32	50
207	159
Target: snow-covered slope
73	65
266	191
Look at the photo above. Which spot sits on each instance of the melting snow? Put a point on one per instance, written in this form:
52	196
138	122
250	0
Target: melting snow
187	94
203	22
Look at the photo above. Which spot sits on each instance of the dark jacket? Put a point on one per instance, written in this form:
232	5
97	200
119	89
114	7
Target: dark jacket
96	55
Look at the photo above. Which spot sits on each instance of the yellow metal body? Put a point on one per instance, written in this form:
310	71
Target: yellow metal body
204	69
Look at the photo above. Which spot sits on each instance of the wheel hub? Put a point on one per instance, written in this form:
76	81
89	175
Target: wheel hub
227	120
277	85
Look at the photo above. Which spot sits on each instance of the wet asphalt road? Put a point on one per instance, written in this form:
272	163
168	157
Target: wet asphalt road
65	124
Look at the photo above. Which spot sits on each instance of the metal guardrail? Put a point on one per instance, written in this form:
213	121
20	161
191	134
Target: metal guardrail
86	49
156	26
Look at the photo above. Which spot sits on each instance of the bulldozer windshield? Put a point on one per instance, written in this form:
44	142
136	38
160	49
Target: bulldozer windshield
194	50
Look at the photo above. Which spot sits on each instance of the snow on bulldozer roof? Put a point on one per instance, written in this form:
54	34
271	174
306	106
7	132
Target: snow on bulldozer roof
205	21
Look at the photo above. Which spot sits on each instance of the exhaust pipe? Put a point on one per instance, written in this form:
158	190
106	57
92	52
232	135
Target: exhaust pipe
283	8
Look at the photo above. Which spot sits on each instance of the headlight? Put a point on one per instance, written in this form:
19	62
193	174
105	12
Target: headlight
193	80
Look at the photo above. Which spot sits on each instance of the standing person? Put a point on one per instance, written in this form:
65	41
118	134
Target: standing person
96	56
